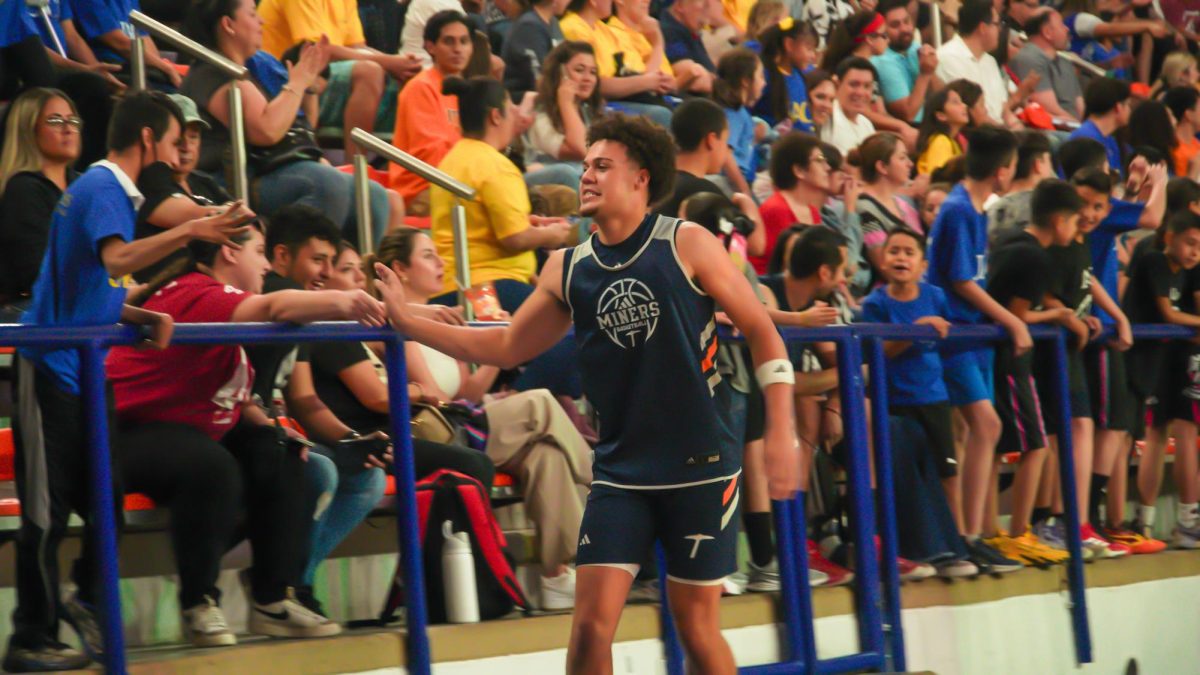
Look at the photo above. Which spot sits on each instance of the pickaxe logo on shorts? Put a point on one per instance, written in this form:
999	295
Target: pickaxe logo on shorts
696	539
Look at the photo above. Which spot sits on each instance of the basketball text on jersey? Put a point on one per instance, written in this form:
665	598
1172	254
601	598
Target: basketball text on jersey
627	312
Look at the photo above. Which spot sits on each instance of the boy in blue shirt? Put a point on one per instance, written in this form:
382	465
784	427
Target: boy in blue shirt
957	265
84	281
914	371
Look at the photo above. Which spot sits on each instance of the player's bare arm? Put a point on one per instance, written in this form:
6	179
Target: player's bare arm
542	320
705	260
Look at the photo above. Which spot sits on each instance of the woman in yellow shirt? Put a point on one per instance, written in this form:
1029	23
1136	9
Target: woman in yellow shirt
939	142
501	233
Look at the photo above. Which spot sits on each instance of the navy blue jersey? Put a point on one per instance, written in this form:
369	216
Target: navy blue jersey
647	343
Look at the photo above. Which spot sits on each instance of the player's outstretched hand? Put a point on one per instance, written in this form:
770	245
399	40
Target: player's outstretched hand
392	291
783	462
222	227
452	316
358	305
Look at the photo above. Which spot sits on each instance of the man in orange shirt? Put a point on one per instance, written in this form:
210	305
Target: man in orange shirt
358	75
426	119
1184	104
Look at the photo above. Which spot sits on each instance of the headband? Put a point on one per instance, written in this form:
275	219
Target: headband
869	29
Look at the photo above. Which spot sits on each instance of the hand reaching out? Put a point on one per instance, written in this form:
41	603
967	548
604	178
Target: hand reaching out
222	227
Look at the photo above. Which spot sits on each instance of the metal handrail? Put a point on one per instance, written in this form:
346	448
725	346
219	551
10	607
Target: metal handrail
186	44
435	176
237	120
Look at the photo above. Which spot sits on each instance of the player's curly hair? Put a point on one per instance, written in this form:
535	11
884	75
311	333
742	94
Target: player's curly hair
647	143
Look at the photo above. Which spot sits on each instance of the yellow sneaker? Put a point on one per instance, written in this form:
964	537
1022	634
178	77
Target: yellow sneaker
1029	548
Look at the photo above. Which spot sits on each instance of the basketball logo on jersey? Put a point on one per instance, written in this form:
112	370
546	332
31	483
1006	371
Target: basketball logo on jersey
627	312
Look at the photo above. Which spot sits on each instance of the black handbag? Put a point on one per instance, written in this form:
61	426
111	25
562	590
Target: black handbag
299	145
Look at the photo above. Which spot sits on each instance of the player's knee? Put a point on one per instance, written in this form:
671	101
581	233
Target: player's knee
591	633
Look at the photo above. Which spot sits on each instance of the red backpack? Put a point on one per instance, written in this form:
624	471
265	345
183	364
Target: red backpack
449	495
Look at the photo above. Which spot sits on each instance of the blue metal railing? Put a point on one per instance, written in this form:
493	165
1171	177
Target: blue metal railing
880	633
91	341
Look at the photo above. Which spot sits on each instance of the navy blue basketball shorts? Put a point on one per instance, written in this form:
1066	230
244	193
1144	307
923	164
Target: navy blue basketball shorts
698	527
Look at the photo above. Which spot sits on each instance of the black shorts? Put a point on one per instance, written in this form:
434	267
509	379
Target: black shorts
934	419
1114	406
1077	386
1178	397
1017	403
697	525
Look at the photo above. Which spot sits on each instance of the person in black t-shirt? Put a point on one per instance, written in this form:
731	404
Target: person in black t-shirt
177	194
701	133
1019	270
42	140
1162	289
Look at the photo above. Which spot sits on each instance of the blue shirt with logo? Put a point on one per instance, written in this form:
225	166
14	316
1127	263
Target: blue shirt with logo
73	287
97	17
797	96
957	252
914	375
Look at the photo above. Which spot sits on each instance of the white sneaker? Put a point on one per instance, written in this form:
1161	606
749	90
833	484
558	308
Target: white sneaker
763	579
559	592
205	625
289	619
817	577
734	584
957	569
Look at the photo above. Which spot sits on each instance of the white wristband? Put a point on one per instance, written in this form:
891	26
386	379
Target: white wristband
776	371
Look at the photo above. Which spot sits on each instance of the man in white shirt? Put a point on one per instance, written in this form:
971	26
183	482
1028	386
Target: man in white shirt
966	57
848	126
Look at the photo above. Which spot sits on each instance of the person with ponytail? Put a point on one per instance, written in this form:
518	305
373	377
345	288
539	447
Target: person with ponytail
501	233
529	433
885	167
789	48
739	85
194	440
946	117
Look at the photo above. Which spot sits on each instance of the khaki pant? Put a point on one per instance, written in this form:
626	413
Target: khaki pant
531	438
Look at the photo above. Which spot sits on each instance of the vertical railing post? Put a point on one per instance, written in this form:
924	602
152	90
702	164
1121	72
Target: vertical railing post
362	206
788	551
1066	473
237	133
93	391
419	657
137	65
462	260
893	630
799	536
862	508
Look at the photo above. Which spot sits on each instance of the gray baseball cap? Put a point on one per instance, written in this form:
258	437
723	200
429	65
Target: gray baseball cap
190	114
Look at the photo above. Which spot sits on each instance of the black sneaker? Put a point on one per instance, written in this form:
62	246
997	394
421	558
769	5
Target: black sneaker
996	563
304	595
82	617
49	657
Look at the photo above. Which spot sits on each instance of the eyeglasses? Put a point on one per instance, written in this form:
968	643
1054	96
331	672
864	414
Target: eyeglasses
58	123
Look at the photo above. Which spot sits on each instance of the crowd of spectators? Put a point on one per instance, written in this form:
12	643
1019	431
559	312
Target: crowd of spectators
1039	165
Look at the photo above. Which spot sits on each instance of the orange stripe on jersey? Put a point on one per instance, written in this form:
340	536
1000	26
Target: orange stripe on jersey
729	491
710	356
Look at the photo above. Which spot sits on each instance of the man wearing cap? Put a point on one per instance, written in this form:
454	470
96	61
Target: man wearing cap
177	194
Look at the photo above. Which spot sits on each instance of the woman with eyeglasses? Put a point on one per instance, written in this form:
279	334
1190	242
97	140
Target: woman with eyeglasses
42	141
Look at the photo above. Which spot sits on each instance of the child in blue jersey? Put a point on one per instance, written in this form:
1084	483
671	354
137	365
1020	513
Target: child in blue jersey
914	372
789	49
641	294
83	281
957	264
738	86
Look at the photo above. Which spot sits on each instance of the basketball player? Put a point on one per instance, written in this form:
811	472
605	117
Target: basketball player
641	294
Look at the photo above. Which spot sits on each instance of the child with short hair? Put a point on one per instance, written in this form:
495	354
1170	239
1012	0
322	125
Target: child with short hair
957	264
914	372
1019	269
1162	289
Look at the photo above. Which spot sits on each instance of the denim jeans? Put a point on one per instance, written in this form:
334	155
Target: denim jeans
322	187
338	504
